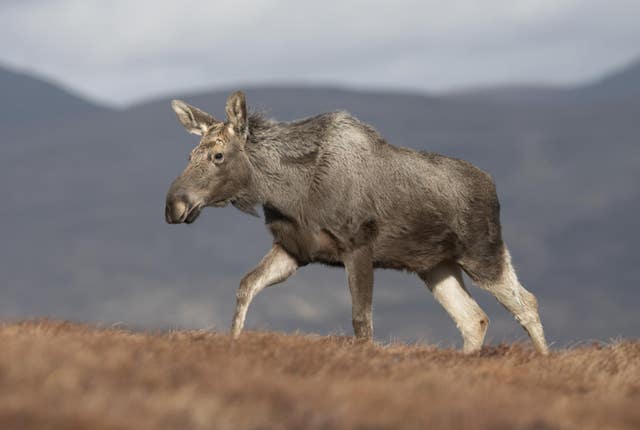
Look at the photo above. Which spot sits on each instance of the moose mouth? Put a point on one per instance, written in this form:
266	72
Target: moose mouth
193	214
221	203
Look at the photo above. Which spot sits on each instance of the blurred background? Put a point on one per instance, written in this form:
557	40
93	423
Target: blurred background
543	94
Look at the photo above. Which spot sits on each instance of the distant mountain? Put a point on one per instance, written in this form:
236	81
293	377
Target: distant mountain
27	100
83	232
622	85
512	93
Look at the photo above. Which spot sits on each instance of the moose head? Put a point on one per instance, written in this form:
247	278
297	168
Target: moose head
219	169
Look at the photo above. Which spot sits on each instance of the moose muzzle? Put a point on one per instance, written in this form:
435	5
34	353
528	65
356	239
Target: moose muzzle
181	208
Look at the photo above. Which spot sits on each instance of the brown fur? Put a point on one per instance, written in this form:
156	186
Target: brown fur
56	375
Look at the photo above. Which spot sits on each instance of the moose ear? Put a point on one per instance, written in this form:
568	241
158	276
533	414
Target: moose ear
193	119
237	113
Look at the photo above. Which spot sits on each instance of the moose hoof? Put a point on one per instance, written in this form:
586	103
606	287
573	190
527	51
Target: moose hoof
363	330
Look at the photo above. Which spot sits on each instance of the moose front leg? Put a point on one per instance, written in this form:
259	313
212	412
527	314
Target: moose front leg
274	268
359	266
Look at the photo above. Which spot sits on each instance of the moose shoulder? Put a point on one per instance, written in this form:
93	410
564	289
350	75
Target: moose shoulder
334	191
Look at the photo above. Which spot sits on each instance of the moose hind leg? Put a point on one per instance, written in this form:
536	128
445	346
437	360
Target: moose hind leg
274	268
446	284
517	300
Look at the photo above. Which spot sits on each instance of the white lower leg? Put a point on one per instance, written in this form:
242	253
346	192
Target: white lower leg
520	302
239	317
275	267
448	289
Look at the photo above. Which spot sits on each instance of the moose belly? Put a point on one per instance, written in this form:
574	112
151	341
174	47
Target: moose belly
416	249
306	246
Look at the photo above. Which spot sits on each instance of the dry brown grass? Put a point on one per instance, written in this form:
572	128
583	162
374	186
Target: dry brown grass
57	375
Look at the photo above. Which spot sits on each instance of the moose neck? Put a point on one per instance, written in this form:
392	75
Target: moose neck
283	157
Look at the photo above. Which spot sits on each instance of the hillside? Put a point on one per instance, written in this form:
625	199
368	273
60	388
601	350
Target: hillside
63	375
29	101
619	86
84	237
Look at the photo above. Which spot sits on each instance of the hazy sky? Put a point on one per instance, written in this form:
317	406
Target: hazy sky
122	51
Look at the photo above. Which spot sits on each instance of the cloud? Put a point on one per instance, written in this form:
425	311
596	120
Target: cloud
122	51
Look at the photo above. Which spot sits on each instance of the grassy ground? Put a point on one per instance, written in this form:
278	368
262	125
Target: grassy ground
56	375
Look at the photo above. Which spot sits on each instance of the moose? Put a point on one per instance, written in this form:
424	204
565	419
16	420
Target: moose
333	191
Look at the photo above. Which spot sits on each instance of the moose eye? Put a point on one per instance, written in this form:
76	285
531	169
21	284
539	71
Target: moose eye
217	158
